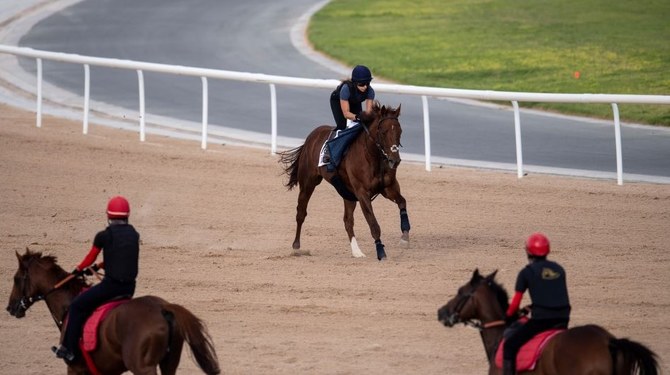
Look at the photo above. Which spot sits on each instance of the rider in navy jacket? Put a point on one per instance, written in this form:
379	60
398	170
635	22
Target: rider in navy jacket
346	102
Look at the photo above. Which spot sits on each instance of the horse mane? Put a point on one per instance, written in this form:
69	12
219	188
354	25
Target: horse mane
50	265
501	294
378	110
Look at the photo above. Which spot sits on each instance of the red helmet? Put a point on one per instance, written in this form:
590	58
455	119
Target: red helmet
537	245
118	208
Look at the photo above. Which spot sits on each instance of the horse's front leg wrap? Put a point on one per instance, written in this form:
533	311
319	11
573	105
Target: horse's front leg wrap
381	254
404	220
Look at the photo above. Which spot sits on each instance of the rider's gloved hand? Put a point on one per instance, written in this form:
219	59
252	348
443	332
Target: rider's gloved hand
510	319
77	272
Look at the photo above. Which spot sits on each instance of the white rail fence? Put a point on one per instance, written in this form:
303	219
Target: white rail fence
273	80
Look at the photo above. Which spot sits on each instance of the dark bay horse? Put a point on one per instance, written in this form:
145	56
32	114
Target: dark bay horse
137	336
588	349
367	169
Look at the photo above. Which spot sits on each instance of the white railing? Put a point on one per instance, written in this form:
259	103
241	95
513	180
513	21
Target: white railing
272	80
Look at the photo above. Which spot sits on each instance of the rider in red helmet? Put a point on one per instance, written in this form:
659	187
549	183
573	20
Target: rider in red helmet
120	244
346	102
547	286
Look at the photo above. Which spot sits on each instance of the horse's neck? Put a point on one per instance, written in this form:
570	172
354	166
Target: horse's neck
491	338
58	304
367	142
58	301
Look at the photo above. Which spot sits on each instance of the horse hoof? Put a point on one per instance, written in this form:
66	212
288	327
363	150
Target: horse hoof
296	245
404	243
298	253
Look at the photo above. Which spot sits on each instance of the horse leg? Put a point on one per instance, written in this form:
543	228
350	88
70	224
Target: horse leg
366	207
170	362
349	207
136	360
305	194
392	193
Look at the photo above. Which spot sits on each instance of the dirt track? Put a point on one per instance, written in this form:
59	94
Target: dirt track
217	228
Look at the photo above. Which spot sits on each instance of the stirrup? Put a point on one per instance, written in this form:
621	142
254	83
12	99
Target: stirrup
63	353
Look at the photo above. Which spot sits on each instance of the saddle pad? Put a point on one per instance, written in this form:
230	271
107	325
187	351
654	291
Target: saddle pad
89	340
529	352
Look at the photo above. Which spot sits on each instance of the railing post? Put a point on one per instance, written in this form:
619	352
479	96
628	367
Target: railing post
205	112
87	92
426	131
517	135
140	80
273	110
39	93
617	138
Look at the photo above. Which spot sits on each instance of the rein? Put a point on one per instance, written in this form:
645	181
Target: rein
26	302
479	326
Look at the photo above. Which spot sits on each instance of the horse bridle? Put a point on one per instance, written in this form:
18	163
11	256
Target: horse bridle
27	301
463	299
377	141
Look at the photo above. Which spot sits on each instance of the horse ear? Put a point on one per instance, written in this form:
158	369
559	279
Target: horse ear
491	276
476	276
397	112
23	263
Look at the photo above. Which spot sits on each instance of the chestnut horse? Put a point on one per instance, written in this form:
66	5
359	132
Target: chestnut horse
137	336
367	169
588	349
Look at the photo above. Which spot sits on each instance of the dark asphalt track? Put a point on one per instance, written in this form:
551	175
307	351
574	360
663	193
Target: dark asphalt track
254	36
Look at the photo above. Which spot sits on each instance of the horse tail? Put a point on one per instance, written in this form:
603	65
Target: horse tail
291	160
193	330
631	357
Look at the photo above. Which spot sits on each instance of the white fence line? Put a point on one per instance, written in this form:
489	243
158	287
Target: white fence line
272	80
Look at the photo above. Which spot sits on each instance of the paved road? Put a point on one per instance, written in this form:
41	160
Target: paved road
254	36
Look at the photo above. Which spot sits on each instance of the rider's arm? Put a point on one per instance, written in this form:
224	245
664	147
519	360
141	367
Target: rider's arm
90	258
344	104
514	305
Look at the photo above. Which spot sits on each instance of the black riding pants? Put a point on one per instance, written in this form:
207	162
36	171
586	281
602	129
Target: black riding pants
526	332
84	304
340	120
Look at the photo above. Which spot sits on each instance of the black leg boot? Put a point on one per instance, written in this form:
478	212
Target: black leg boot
508	367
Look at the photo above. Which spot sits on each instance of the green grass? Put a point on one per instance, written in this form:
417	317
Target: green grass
618	46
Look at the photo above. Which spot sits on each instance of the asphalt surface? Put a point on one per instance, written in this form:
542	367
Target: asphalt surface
255	36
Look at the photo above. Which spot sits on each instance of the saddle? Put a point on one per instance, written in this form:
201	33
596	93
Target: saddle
530	352
335	146
89	337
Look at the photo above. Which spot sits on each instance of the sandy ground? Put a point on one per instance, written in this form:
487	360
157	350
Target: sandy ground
217	228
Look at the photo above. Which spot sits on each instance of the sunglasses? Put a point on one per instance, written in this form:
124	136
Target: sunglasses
362	84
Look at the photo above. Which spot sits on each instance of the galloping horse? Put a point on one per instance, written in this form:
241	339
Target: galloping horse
137	336
367	169
588	349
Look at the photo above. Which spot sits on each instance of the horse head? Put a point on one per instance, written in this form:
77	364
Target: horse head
481	299
34	279
385	131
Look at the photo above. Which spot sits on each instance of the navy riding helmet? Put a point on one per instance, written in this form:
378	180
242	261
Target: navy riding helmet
361	73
